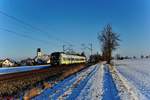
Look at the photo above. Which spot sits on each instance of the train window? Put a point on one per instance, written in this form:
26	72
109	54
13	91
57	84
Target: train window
72	58
67	58
63	59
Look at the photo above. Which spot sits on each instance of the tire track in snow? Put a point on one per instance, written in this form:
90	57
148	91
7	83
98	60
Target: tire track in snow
110	91
60	88
77	87
93	89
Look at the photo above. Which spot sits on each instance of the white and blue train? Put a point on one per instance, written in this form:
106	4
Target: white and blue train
60	58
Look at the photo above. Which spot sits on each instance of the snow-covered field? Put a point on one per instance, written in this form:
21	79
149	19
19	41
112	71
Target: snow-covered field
72	86
93	83
127	80
137	72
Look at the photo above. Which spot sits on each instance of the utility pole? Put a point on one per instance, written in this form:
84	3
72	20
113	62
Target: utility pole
64	48
91	48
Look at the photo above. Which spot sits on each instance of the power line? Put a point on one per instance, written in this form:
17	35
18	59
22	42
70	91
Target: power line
31	26
34	28
24	36
90	47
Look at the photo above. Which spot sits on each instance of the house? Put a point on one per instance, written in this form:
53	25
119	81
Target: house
27	62
8	63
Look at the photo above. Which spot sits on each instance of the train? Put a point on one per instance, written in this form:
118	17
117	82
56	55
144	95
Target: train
61	58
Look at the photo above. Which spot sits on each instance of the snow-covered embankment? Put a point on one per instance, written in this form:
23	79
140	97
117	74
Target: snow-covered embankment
126	90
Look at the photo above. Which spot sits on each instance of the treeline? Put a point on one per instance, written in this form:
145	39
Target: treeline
119	57
95	58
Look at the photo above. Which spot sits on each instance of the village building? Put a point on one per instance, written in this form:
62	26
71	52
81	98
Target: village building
8	63
42	58
27	62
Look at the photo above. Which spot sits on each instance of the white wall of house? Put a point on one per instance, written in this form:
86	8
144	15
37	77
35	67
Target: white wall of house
7	63
49	61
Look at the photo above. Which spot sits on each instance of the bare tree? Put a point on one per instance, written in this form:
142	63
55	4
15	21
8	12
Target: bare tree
109	42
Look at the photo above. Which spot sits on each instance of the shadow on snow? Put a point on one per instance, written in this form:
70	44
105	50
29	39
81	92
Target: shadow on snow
110	89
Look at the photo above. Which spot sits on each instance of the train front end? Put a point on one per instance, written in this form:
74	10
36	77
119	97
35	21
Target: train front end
55	58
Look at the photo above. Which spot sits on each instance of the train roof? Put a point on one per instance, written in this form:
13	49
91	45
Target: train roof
66	53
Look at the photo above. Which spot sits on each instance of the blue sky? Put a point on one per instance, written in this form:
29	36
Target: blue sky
74	21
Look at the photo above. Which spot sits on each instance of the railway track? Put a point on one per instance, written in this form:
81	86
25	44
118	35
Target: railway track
13	83
52	69
18	75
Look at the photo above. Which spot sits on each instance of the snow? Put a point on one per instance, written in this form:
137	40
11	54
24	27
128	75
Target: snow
126	80
93	89
109	88
137	73
21	69
126	90
69	87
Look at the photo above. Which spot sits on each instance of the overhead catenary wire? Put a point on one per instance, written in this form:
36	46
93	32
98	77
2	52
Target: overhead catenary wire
33	27
25	36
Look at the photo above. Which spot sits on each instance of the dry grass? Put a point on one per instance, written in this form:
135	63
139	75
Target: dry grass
9	88
32	93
